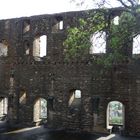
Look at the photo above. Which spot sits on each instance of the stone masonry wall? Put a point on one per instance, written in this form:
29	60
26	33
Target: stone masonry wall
52	78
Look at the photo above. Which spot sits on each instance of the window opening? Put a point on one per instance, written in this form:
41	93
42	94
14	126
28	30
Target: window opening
58	25
75	99
136	45
43	45
115	115
27	47
3	48
7	24
40	47
3	108
61	25
116	20
40	110
26	26
22	97
98	43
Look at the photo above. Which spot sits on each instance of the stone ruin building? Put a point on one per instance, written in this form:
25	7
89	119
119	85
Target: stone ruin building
71	94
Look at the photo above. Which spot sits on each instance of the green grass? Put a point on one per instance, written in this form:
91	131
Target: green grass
116	120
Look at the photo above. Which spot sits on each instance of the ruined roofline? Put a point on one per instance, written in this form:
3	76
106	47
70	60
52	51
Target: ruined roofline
67	13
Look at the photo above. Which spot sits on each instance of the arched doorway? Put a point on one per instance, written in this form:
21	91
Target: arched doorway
3	108
75	99
74	109
115	116
40	111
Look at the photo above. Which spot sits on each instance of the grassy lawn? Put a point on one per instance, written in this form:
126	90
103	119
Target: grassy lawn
116	120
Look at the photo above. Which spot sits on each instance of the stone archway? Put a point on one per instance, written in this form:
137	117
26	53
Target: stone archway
75	99
115	116
74	109
40	110
3	108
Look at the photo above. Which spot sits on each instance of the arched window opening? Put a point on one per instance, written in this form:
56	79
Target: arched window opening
116	20
115	115
40	110
136	45
22	97
58	24
98	43
26	26
3	108
40	47
3	48
75	98
27	47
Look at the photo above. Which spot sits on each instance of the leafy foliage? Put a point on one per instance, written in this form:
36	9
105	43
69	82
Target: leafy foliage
78	38
118	37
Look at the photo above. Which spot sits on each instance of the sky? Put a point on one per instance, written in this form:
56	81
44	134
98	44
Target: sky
20	8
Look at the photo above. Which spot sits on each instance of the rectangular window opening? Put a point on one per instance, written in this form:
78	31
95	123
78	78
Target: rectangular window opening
98	43
58	24
3	48
40	47
136	45
26	26
43	46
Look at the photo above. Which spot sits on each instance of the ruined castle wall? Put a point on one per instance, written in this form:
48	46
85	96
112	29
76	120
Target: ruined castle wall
52	78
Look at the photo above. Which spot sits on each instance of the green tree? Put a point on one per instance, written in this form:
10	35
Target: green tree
118	37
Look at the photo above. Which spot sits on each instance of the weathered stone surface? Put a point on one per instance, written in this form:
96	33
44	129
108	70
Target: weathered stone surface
52	78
